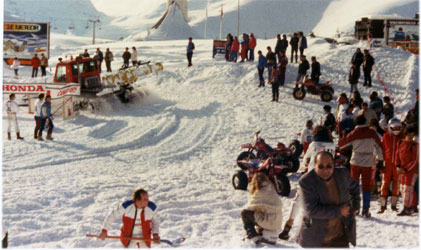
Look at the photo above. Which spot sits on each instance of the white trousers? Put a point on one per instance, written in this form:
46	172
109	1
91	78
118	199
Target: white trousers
12	120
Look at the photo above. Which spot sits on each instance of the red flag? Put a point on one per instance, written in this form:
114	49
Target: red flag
222	11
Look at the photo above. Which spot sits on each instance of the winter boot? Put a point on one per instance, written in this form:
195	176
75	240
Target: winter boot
284	234
35	134
40	137
405	212
383	201
8	136
366	212
18	136
394	202
49	137
415	209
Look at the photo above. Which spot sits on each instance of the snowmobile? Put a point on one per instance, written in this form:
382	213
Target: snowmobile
274	167
325	90
289	154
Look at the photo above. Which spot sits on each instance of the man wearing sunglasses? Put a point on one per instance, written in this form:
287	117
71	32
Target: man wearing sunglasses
331	200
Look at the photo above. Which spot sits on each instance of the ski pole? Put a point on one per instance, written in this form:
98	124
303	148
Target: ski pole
173	244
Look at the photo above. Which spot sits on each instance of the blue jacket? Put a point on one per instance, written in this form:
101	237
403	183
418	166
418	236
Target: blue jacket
45	110
190	47
262	62
304	42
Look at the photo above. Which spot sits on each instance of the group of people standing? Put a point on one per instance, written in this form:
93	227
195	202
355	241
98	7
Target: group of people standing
42	115
109	57
36	63
233	50
367	62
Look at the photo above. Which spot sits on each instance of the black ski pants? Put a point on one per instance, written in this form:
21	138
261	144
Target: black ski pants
189	58
43	71
275	91
249	223
34	72
261	79
367	77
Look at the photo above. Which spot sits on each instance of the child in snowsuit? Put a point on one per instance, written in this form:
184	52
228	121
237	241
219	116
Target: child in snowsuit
263	210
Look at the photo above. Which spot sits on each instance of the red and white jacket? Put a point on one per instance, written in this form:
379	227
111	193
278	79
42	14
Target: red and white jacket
390	146
137	222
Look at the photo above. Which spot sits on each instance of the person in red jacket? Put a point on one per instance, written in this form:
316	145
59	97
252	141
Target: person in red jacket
406	161
244	47
36	62
139	220
252	46
390	142
235	47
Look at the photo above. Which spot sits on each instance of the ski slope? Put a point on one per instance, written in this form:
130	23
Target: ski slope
179	141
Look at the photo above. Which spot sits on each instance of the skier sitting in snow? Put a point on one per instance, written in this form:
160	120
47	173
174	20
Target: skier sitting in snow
139	220
263	210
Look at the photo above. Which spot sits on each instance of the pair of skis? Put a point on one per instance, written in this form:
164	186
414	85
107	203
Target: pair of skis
174	243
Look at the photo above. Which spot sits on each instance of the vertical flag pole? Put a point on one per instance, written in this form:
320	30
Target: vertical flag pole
238	19
220	22
206	22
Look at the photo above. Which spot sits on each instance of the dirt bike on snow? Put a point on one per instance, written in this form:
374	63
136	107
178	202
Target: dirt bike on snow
289	154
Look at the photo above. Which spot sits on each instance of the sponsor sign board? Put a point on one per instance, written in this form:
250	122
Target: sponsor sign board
24	39
218	47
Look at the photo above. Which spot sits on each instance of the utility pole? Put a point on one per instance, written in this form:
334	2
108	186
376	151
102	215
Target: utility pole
206	22
93	33
238	19
220	22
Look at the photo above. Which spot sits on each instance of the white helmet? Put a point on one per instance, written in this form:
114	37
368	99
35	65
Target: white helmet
395	125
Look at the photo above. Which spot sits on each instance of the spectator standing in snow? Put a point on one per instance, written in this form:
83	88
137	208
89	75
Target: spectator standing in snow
346	121
235	47
329	121
390	143
139	220
315	70
12	108
307	135
252	46
99	58
388	108
406	162
354	75
270	61
294	47
134	56
261	68
356	99
376	104
190	48
108	59
302	43
357	58
284	44
278	45
264	210
365	142
15	66
228	47
244	47
46	119
331	199
368	113
282	65
368	63
36	62
85	54
37	114
302	68
275	83
126	58
44	64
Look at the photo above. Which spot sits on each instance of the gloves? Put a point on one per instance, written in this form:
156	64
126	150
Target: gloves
379	165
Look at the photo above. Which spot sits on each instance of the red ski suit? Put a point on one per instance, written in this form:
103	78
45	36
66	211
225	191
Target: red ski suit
390	147
407	158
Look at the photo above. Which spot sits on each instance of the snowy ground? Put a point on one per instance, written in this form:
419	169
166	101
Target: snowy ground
180	142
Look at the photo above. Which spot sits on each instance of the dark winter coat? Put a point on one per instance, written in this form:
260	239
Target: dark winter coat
357	59
108	56
368	62
283	62
318	210
303	43
315	69
354	75
388	110
330	122
126	56
294	43
271	58
284	44
100	56
376	105
303	67
278	46
262	62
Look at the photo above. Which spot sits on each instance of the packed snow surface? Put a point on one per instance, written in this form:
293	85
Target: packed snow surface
179	140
